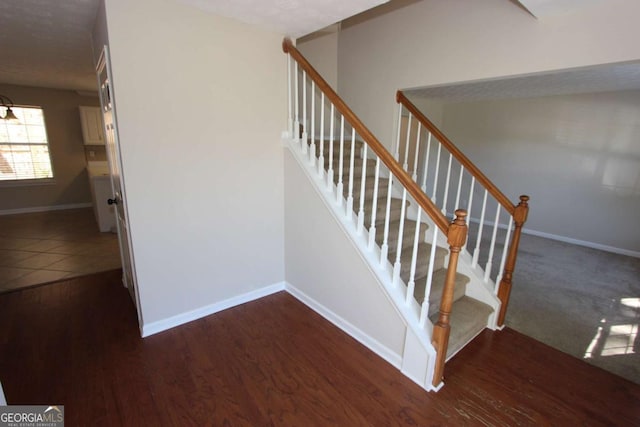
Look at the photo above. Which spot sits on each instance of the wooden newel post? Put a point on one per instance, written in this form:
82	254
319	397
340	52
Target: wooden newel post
456	238
504	290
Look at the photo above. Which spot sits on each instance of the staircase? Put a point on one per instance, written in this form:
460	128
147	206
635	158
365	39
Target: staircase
395	208
468	315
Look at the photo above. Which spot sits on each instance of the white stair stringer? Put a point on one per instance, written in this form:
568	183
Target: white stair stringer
418	358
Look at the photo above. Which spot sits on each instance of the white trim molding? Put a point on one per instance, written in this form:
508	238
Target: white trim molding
357	334
182	318
45	208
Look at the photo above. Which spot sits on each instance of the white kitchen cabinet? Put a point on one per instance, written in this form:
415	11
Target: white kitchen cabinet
92	129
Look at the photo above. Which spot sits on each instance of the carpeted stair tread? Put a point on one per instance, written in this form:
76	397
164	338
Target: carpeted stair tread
357	169
468	317
408	234
437	284
381	210
424	252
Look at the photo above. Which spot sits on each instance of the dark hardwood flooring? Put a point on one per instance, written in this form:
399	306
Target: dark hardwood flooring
274	362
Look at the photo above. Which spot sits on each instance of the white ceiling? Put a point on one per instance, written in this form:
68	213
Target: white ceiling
46	43
295	18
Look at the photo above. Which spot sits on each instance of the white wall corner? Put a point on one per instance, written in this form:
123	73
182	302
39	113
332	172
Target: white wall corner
181	319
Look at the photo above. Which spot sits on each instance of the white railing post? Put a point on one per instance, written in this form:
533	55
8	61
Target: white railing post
424	312
362	190
340	186
435	181
374	206
426	164
296	123
415	160
397	266
303	141
352	162
321	156
446	186
414	259
489	265
330	170
473	182
396	153
290	106
384	249
505	249
476	251
405	165
312	148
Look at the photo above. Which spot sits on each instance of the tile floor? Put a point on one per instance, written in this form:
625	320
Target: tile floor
42	247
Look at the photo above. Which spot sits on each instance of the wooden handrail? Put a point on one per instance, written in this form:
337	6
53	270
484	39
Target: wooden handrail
468	165
387	158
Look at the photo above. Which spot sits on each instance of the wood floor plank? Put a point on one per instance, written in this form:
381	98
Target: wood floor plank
274	362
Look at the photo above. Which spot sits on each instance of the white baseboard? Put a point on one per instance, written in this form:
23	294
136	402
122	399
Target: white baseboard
592	245
366	340
180	319
570	240
45	208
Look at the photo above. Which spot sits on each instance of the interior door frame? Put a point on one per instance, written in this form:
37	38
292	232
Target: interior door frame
107	99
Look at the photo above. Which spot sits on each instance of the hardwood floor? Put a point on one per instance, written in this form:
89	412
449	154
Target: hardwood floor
274	362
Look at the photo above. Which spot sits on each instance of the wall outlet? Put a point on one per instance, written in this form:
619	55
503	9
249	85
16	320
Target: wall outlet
92	153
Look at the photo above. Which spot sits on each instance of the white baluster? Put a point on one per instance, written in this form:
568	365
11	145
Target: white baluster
330	170
374	206
473	183
397	266
296	124
396	153
415	160
340	186
303	140
290	107
349	210
457	205
321	156
384	249
489	265
446	186
435	181
312	149
424	312
414	258
505	249
360	227
426	164
405	165
476	251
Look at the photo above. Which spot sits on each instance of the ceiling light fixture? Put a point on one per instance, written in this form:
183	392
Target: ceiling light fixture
10	116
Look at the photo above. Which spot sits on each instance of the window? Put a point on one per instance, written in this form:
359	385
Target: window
24	149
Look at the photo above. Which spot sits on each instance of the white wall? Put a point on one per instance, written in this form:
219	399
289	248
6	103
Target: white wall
577	156
325	265
207	95
436	42
321	50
